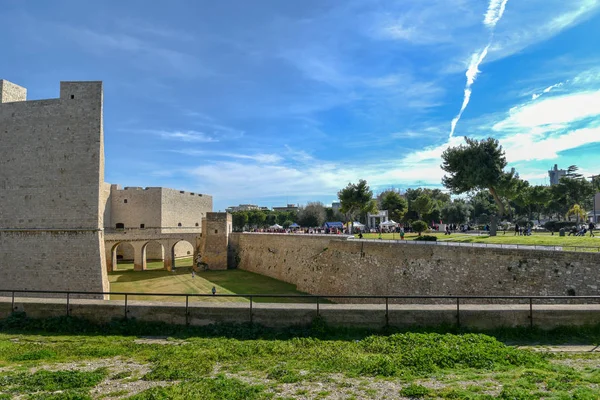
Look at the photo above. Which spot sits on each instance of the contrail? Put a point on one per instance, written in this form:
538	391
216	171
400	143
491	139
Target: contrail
492	16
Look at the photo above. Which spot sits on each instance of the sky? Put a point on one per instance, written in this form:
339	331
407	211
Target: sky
272	102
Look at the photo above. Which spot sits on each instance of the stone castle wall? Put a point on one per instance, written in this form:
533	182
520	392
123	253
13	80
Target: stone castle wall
185	208
322	265
215	240
135	206
51	175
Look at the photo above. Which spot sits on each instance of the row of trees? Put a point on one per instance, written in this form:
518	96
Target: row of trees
475	169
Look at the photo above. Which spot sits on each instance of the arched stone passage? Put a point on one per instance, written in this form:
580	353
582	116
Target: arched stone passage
122	253
152	251
180	249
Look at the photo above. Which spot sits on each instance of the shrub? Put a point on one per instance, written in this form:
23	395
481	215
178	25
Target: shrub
419	227
415	391
426	238
557	225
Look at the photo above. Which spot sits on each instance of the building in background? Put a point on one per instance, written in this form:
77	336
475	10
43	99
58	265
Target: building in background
288	208
555	174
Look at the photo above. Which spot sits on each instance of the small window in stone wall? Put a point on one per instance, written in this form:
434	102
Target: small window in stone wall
72	96
216	231
125	201
197	224
179	224
142	226
120	225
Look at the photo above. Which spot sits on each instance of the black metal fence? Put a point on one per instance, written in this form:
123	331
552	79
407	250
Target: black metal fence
317	300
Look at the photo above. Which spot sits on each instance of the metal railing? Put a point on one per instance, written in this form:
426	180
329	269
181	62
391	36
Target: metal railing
318	299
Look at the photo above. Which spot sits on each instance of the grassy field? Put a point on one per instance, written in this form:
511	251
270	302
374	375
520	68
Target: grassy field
249	363
181	281
536	239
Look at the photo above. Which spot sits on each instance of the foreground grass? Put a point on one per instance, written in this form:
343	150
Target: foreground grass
250	362
181	281
536	239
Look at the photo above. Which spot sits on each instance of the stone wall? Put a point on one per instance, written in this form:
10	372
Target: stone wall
134	206
51	182
371	316
54	260
322	265
215	240
181	209
9	92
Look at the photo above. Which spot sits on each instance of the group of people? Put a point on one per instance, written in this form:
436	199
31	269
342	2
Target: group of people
582	230
522	231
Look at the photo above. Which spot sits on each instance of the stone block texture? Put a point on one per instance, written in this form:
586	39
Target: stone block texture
51	179
322	265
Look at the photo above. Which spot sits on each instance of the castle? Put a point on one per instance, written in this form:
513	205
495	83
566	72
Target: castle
61	225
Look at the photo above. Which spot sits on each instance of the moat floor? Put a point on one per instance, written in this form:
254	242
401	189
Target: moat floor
181	281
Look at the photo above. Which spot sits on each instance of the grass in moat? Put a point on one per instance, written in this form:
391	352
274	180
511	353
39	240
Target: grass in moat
536	239
46	360
181	281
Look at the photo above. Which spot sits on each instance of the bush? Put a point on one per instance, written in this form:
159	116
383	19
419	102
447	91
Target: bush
426	238
419	227
557	225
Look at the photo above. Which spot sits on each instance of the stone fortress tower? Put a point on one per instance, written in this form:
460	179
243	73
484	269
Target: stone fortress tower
51	176
60	223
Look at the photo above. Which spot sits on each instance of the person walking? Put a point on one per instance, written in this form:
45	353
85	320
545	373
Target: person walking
193	274
592	226
516	229
214	290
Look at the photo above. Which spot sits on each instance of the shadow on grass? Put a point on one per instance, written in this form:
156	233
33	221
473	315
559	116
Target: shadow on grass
19	323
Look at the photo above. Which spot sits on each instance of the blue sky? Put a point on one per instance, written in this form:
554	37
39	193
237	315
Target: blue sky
274	101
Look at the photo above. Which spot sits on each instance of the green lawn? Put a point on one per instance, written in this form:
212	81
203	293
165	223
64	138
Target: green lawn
251	363
537	239
181	281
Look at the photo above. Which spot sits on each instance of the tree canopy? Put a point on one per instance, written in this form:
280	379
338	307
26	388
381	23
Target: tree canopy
394	202
475	165
356	199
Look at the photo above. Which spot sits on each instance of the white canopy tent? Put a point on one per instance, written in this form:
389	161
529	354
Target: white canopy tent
276	226
391	222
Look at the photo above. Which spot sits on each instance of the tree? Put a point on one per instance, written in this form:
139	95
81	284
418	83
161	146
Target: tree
257	218
456	212
356	199
271	219
477	165
419	226
578	212
422	205
312	215
239	220
482	202
393	201
287	223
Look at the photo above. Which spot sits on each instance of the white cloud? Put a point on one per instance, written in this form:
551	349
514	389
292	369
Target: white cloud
557	110
185	136
472	72
547	90
494	12
524	147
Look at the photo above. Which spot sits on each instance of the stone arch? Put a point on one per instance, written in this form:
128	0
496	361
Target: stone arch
122	253
152	250
183	253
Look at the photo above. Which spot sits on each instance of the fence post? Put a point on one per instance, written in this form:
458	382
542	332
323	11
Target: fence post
125	305
251	309
458	312
187	298
13	302
318	310
530	312
387	315
68	304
